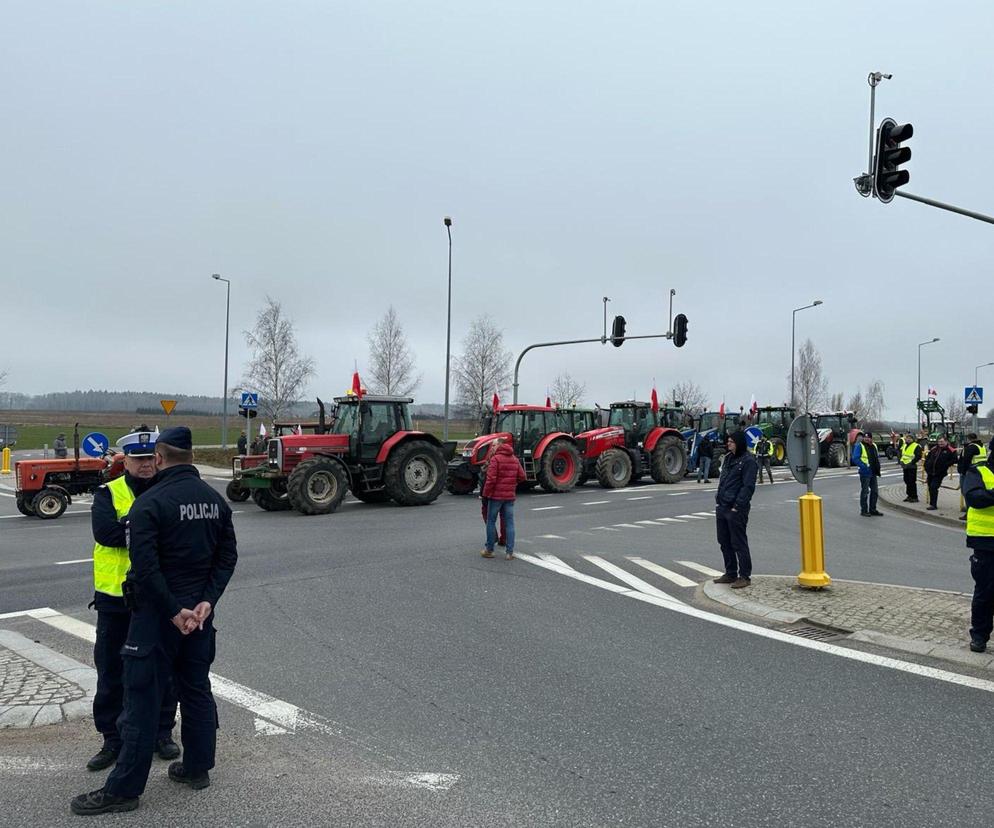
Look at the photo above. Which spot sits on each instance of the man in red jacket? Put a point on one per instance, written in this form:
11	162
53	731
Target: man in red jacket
504	473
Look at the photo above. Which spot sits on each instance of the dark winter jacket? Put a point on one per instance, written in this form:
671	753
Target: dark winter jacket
504	473
706	449
871	450
938	460
977	496
737	482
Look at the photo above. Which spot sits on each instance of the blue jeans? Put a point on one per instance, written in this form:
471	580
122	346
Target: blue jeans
704	468
494	508
867	493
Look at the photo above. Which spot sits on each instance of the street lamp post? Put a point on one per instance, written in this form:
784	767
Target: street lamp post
976	416
448	333
793	320
224	398
920	345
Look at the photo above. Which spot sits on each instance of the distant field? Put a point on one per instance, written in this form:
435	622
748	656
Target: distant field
37	428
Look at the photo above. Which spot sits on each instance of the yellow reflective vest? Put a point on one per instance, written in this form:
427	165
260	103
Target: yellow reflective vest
111	563
980	458
908	455
980	522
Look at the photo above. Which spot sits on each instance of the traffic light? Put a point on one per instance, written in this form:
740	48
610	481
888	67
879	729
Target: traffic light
972	409
680	330
618	331
890	155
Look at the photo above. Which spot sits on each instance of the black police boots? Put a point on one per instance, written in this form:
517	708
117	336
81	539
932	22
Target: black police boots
104	758
166	748
101	802
197	781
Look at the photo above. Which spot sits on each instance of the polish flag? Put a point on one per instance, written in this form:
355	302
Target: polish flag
654	401
496	402
932	392
262	429
548	401
754	406
721	409
356	385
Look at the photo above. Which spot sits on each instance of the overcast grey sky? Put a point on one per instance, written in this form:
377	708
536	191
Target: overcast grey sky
311	149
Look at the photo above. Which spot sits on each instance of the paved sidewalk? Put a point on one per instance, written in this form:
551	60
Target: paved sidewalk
922	621
948	503
39	686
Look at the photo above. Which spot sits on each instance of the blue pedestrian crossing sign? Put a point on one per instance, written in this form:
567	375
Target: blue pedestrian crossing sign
95	444
249	400
973	395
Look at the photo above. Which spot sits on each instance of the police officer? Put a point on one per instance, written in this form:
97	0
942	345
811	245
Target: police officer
764	457
910	455
183	553
978	492
111	504
973	453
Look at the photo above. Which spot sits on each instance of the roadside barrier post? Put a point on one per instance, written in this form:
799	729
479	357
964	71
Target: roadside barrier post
5	468
812	574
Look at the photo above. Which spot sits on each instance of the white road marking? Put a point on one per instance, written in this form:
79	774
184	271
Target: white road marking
775	635
22	517
705	514
553	537
794	500
628	578
663	572
77	561
545	508
627	525
645	497
595	502
704	570
649	522
937	526
691	517
548	556
4	494
676	494
605	528
670	520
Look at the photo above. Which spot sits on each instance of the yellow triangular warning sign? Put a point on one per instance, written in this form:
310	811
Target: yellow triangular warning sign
168	406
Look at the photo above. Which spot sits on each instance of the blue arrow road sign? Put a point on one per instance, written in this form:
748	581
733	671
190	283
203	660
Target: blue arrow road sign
249	400
95	444
974	395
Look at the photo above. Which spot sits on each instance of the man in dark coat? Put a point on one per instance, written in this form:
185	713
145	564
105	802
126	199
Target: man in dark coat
736	486
938	461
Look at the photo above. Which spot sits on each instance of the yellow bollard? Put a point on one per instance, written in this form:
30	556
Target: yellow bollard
5	469
812	574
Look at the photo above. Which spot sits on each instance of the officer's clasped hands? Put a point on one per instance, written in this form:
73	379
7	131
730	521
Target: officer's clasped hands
188	620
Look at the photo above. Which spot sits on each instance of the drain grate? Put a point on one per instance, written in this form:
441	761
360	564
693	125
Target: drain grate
815	633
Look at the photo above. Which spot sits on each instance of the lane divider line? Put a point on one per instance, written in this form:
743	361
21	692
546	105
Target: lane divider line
77	561
545	508
596	502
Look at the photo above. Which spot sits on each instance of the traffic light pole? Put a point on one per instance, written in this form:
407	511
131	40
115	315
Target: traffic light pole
931	202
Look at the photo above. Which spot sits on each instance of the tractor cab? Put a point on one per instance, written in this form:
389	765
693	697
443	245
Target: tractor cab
834	429
541	438
579	420
774	422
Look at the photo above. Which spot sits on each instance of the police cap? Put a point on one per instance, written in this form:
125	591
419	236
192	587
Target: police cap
178	437
138	444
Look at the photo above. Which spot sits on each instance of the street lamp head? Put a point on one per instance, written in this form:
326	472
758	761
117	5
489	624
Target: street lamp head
447	221
936	339
817	302
215	275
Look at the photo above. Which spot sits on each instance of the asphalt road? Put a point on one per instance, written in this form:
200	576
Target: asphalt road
529	697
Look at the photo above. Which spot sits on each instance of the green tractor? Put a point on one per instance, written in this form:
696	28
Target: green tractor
774	421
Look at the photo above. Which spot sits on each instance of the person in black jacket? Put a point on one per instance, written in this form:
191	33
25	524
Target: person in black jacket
183	553
970	450
110	564
938	461
705	456
978	492
736	486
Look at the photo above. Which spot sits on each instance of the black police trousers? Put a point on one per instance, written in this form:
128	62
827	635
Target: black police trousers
982	608
731	527
108	703
154	649
911	481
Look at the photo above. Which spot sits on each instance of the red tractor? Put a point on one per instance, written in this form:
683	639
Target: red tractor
635	442
370	448
45	488
541	439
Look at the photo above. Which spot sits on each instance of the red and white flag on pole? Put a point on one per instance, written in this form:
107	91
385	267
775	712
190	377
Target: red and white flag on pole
262	429
721	409
356	385
654	401
753	406
548	401
932	392
496	401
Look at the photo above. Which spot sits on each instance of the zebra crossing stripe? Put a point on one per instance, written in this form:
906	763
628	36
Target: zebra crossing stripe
663	572
704	570
632	580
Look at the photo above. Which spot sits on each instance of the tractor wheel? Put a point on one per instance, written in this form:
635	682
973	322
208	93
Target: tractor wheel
415	473
560	466
49	504
779	452
236	493
24	506
271	501
890	452
379	496
460	485
669	460
317	486
836	455
614	469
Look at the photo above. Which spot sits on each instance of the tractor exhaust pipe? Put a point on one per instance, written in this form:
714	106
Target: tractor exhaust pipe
75	442
322	421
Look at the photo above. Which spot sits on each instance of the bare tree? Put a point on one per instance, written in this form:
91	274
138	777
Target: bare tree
276	370
693	397
483	367
955	408
810	381
856	404
835	401
568	391
873	404
391	363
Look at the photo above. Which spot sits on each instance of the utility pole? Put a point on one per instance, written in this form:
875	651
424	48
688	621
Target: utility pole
447	221
224	396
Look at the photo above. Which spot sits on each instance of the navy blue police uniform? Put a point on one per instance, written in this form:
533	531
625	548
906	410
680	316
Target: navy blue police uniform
113	620
183	552
736	485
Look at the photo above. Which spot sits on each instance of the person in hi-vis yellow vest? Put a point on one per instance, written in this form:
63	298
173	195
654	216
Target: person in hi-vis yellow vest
978	492
111	504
